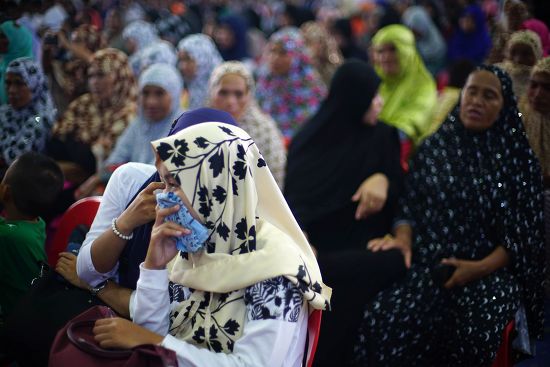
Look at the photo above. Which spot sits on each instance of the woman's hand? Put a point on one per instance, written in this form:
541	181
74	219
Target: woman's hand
66	266
121	333
371	195
466	271
162	247
390	242
141	210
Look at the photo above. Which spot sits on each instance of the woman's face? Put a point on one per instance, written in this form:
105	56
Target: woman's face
385	57
467	24
481	101
101	85
130	45
172	185
224	37
156	102
371	116
187	65
522	54
279	60
538	92
231	95
19	93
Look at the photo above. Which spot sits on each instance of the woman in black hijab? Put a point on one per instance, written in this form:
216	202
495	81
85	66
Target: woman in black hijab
343	179
473	201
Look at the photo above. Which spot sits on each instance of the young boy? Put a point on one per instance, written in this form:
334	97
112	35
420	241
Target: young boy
30	186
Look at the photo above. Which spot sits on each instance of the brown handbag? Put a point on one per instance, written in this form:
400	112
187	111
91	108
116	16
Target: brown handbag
75	345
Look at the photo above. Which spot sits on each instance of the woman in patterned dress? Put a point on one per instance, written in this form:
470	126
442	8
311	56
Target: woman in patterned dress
243	298
26	120
473	200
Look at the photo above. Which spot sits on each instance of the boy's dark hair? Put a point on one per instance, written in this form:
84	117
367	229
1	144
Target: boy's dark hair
35	181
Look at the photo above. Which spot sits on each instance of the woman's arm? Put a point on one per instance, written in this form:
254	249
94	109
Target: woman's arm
124	183
470	270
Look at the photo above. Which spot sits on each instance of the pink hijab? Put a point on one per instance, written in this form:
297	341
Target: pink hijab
541	29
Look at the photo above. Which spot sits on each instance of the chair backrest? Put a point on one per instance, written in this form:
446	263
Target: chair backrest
313	328
81	212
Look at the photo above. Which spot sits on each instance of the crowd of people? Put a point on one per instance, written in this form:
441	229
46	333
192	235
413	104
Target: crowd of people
383	161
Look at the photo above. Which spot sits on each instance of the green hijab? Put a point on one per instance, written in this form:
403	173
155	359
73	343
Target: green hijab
409	97
20	45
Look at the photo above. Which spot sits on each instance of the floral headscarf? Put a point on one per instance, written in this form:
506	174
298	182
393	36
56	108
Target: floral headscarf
260	126
26	129
85	120
252	233
290	99
206	56
331	58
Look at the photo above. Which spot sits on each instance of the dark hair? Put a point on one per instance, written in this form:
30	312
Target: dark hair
459	72
35	181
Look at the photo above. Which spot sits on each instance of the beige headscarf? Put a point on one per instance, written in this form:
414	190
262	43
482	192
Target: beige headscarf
537	125
260	126
520	73
252	233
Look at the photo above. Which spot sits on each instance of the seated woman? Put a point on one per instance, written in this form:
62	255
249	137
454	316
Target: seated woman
231	88
26	120
472	200
160	89
243	297
138	35
523	50
129	198
94	121
198	56
343	180
289	87
408	89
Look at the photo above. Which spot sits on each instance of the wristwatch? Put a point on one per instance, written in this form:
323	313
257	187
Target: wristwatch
95	290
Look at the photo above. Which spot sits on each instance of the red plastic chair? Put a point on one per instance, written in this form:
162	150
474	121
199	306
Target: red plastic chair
313	327
81	212
504	354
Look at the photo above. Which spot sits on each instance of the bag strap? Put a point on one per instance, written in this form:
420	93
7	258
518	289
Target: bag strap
92	348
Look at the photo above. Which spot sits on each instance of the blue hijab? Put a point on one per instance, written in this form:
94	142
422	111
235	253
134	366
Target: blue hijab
135	250
238	51
473	46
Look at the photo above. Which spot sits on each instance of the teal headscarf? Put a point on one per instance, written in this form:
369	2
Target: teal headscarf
20	45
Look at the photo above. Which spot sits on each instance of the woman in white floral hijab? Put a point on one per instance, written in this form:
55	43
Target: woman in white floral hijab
244	298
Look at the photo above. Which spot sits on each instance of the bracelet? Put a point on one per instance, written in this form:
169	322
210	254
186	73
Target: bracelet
95	290
117	232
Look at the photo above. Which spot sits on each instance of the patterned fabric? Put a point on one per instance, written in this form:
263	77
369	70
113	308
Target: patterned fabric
290	99
203	51
86	120
26	129
252	234
409	97
161	52
174	27
273	299
518	72
143	34
20	45
261	127
467	192
537	125
331	57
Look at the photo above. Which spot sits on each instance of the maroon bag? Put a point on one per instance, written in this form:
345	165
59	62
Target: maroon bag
75	345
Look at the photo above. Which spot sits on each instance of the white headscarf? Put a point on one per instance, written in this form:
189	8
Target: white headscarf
206	56
253	235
